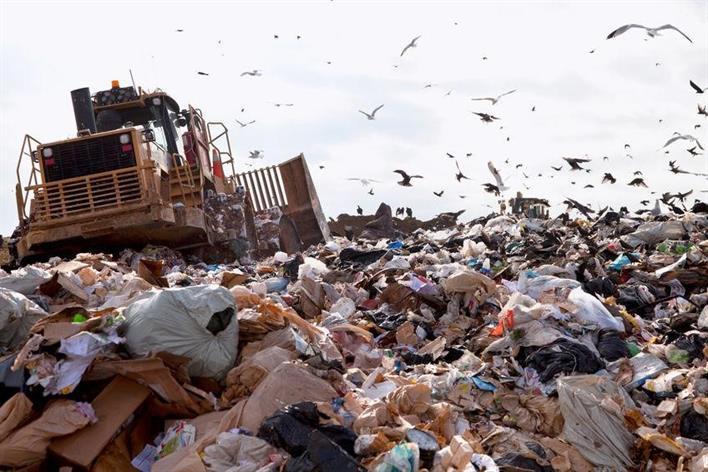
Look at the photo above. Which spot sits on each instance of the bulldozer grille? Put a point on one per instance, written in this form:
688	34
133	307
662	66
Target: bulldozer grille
92	194
88	156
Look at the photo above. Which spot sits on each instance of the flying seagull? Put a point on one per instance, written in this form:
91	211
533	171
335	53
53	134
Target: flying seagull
252	73
406	182
491	188
439	194
487	118
652	32
497	177
202	73
371	191
283	104
579	206
364	181
494	100
372	115
450	155
412	44
459	176
589	186
702	110
692	151
575	163
638	182
557	169
696	87
608	178
179	30
243	125
678	136
256	154
638	172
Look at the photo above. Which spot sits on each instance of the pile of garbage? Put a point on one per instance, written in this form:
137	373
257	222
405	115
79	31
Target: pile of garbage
501	344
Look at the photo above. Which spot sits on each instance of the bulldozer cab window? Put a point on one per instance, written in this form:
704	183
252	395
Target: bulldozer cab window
161	140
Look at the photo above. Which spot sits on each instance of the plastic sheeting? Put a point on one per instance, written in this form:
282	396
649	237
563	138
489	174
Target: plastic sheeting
592	408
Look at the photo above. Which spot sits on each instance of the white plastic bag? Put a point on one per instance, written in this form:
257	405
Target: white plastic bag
591	310
175	320
17	315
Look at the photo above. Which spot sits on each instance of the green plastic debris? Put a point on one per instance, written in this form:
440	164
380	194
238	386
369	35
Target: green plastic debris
78	318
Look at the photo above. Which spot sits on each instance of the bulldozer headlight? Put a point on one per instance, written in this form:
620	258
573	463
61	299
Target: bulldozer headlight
47	152
124	139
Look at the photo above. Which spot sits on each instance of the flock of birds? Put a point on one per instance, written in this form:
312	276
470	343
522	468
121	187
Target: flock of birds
497	187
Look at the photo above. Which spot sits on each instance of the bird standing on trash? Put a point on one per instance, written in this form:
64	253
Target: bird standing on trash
359	211
409	212
406	179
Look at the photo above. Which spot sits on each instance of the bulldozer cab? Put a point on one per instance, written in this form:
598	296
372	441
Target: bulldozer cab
142	170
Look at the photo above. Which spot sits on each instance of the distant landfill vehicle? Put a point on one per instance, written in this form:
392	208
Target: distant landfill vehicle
141	170
529	207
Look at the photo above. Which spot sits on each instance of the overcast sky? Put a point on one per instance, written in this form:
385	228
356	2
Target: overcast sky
585	103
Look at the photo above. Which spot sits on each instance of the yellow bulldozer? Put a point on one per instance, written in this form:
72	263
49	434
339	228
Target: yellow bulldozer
141	170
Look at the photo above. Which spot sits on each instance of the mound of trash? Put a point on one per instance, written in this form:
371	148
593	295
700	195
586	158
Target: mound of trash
497	345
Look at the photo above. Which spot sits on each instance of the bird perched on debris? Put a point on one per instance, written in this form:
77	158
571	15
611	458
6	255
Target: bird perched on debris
638	182
695	87
439	194
651	32
256	154
406	179
688	137
359	211
252	73
243	125
412	44
364	181
608	178
409	212
494	100
372	115
497	176
491	188
459	176
575	162
487	118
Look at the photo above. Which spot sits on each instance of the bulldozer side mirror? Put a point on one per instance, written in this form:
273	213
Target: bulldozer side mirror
181	122
148	136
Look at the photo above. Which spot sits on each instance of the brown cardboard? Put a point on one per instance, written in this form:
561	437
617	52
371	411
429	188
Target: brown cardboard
113	406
